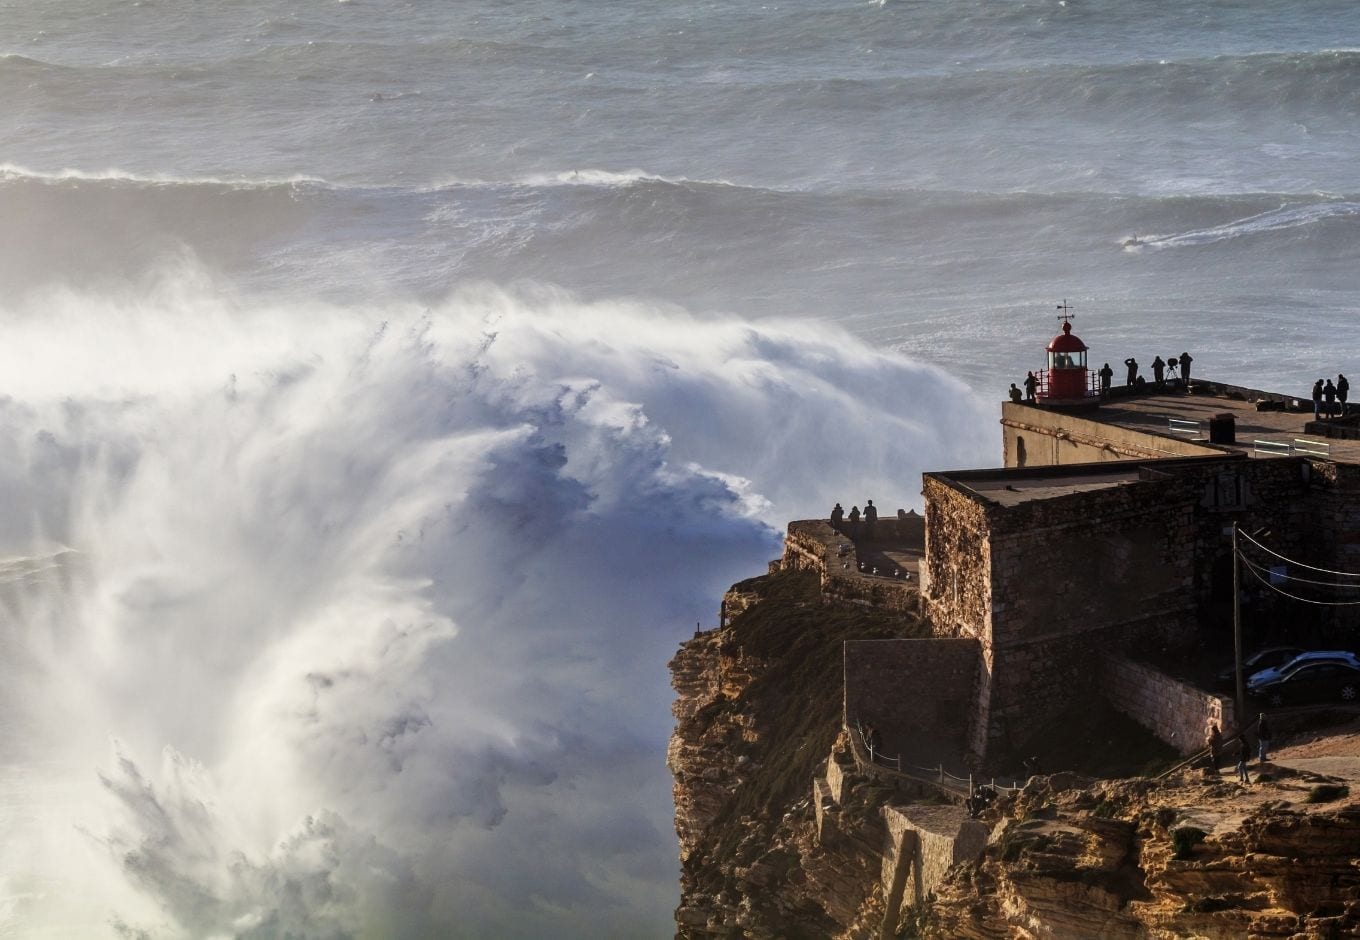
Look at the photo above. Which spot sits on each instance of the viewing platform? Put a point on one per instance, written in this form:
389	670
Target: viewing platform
1214	418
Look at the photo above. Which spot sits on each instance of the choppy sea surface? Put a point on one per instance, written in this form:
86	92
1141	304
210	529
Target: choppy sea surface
387	388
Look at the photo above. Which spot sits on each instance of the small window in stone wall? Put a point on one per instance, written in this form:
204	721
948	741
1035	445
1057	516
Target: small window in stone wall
1019	451
1225	491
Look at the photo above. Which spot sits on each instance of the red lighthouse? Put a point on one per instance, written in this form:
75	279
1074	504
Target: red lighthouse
1067	380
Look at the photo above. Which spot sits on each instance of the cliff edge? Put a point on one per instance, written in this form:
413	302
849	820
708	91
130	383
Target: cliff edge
785	831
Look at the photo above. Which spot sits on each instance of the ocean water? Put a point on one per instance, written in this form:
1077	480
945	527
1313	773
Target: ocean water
387	388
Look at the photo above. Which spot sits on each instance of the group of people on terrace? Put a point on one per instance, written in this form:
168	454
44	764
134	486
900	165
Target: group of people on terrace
1330	399
1164	374
851	525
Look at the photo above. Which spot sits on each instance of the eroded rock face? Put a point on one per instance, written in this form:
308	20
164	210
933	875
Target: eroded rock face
1068	859
1188	858
753	862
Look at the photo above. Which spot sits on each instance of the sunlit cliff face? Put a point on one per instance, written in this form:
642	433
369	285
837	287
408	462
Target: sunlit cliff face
353	622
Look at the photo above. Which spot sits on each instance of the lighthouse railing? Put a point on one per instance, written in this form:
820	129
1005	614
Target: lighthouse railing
1045	385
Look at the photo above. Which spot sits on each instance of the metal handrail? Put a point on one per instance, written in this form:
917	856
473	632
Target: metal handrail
1185	426
1317	448
1262	446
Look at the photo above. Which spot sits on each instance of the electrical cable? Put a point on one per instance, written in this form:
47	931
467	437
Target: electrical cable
1271	551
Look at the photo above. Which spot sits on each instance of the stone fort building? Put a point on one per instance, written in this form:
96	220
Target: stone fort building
1100	552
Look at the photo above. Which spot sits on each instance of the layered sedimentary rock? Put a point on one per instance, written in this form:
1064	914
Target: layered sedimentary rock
779	840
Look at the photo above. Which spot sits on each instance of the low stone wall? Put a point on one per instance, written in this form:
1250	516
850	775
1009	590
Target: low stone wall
921	844
919	693
815	546
1178	713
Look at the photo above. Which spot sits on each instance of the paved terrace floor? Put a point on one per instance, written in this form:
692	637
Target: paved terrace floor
1150	412
885	551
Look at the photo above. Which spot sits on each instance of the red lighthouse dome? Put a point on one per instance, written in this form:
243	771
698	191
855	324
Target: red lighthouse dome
1068	379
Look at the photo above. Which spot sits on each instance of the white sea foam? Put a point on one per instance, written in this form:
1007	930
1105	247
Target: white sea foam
376	602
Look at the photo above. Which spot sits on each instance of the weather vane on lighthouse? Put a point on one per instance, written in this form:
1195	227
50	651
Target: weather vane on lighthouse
1066	315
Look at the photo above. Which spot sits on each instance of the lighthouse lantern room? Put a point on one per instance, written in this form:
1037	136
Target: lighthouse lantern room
1068	379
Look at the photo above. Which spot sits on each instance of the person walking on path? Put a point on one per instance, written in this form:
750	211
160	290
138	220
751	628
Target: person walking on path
1317	399
1132	364
1157	366
1343	388
1215	743
1105	373
1329	398
1185	370
1243	755
837	517
1263	738
1031	383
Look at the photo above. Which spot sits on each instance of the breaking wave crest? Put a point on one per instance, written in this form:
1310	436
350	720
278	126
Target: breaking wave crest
359	595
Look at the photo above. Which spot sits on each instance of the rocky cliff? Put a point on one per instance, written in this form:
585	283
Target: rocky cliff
782	833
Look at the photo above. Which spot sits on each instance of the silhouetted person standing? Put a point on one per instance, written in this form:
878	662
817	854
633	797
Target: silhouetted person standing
1031	383
1317	399
837	517
1015	394
1263	738
1329	398
1132	364
1157	366
1185	369
1215	746
870	517
1243	755
1343	389
1105	373
854	520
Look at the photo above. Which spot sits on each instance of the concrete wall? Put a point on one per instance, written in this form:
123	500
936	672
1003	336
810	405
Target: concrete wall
1034	436
1178	713
919	693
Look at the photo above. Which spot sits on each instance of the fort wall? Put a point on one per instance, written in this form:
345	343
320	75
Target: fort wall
918	691
1049	437
816	546
1177	712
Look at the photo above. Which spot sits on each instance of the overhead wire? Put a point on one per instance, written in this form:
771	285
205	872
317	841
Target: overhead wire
1290	577
1271	551
1306	600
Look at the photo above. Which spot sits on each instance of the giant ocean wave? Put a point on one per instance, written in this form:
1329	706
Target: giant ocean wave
374	604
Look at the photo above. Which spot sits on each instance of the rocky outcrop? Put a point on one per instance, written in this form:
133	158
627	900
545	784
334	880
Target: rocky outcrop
1187	858
756	710
779	840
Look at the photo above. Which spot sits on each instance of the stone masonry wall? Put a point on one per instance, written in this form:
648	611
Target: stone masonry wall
815	546
920	845
919	693
1176	712
956	571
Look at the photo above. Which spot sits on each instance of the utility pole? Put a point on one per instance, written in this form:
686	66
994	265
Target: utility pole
1241	700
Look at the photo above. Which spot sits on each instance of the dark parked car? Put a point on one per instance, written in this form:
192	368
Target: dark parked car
1344	657
1320	681
1261	659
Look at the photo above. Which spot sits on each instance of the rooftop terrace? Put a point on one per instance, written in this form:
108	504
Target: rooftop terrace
1280	431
